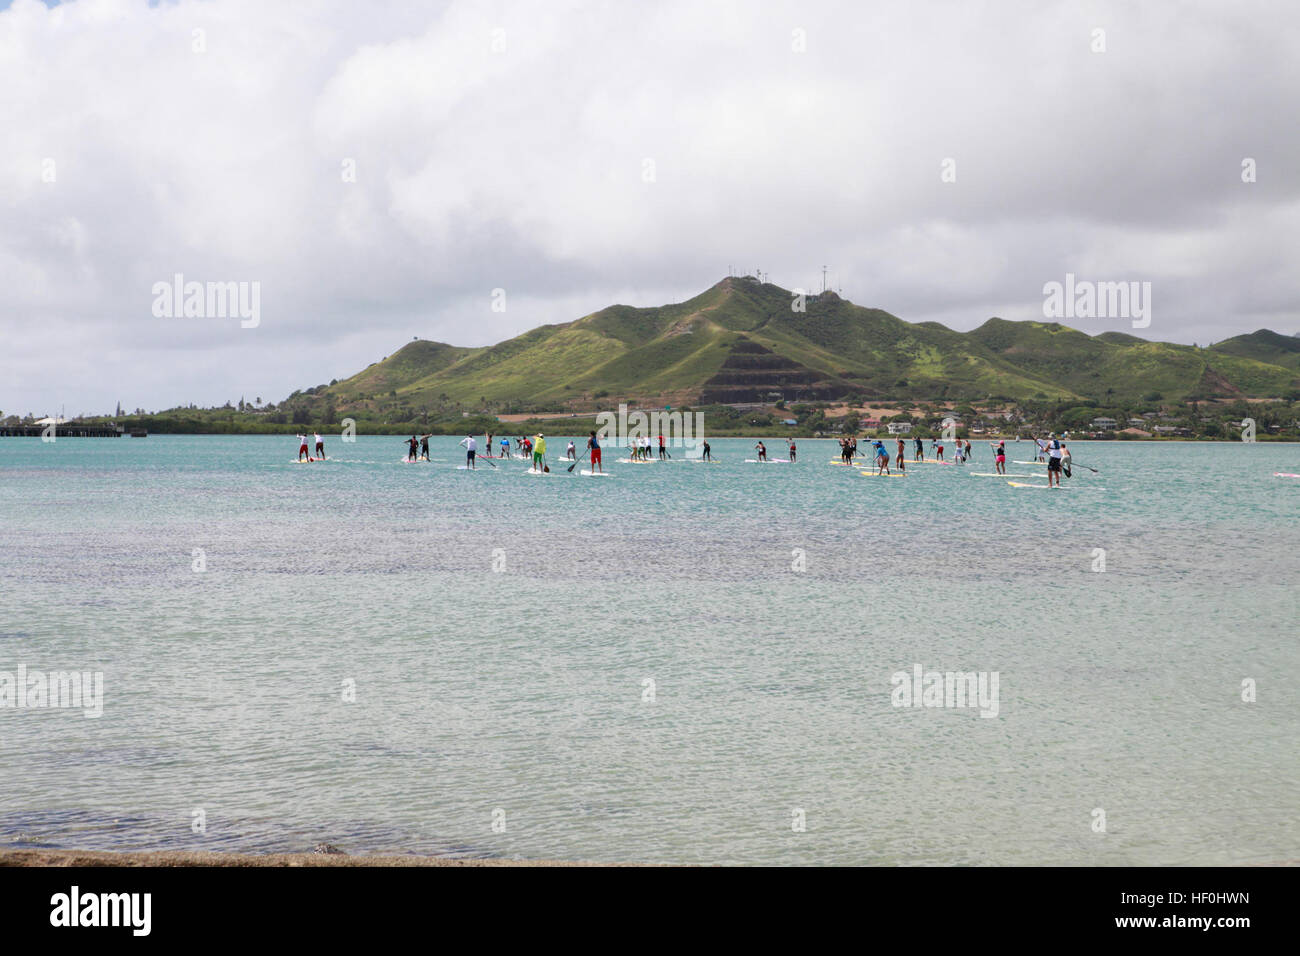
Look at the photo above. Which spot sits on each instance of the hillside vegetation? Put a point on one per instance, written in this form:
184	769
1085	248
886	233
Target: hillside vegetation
740	341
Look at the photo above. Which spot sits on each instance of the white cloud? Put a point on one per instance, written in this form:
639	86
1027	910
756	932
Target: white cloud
523	168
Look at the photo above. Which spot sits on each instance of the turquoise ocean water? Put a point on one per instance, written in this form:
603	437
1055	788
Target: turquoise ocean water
676	664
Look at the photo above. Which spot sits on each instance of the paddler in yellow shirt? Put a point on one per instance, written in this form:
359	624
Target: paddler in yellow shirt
539	453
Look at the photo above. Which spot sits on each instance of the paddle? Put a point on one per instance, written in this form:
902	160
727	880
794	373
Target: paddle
576	460
1072	461
478	456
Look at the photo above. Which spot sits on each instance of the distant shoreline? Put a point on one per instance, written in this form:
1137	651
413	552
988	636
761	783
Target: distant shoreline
166	858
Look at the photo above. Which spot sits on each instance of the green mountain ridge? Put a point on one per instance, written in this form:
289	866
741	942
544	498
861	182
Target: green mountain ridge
740	341
1264	346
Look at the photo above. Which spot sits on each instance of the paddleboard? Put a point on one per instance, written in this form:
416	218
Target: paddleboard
994	474
1019	462
594	474
534	471
303	461
1285	474
770	461
872	474
1023	484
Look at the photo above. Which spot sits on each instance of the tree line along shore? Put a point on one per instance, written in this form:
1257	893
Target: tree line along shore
1265	420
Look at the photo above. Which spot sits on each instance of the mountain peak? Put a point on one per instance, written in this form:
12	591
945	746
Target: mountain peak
740	340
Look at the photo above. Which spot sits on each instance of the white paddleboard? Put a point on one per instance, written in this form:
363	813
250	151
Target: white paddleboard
594	474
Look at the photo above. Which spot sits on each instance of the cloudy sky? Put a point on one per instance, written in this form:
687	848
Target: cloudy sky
380	168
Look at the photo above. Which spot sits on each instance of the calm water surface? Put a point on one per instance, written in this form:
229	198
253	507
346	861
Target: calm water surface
660	666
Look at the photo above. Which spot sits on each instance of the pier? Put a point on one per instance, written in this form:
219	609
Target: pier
66	430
